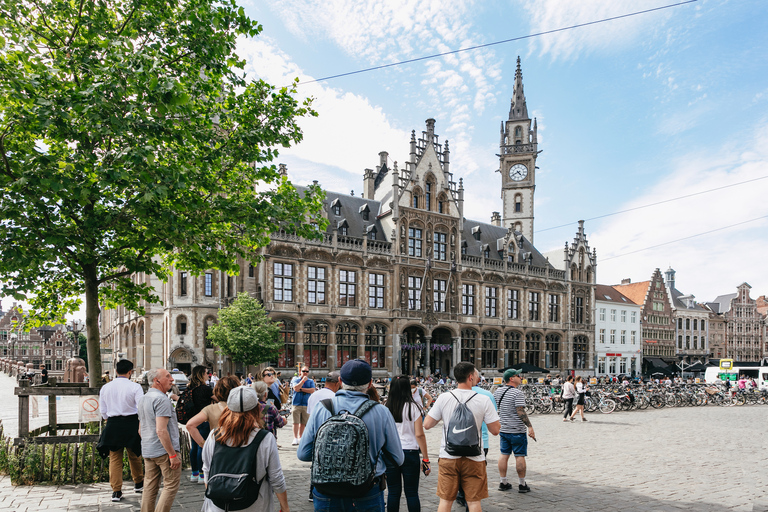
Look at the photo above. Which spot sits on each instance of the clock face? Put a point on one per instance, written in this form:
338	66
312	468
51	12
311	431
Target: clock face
518	172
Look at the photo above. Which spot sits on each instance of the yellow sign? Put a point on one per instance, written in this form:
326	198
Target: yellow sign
497	381
541	380
698	381
726	364
525	381
593	380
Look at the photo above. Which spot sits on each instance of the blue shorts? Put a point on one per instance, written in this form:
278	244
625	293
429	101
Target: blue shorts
514	443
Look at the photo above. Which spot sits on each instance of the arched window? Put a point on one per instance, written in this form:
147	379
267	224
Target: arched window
442	204
468	345
553	351
490	351
287	335
181	325
580	352
518	135
375	345
415	200
518	203
512	346
346	342
316	344
533	348
428	196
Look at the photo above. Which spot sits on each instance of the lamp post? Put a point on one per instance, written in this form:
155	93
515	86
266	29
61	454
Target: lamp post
14	337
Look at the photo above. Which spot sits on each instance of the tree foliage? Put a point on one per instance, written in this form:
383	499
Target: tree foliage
245	332
131	142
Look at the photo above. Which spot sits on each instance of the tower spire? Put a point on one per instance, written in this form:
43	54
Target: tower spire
518	109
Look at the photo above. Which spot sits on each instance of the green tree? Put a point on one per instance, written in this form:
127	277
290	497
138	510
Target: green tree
131	142
245	332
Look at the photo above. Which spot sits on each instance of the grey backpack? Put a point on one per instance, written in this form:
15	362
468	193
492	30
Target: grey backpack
462	438
341	461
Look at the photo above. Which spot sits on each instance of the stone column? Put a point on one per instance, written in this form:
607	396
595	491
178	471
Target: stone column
456	343
428	344
396	361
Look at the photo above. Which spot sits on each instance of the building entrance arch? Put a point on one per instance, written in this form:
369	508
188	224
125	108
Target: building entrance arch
182	359
412	349
441	356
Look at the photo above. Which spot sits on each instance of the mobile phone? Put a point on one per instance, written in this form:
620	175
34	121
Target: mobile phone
425	467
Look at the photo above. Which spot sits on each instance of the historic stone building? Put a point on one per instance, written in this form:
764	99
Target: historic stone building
691	321
400	278
744	325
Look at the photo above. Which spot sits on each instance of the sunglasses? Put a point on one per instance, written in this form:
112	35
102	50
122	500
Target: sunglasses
268	374
304	371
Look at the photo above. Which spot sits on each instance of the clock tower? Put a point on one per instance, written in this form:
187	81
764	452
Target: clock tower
518	152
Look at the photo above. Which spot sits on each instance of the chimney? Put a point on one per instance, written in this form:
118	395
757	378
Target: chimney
626	281
496	219
368	179
430	129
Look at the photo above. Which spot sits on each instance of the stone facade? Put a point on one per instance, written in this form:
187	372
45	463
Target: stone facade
745	328
400	278
691	321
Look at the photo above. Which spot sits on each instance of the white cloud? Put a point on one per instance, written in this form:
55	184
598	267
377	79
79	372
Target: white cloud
711	264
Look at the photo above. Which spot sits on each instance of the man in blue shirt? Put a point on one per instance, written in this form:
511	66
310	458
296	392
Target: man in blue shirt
382	435
302	386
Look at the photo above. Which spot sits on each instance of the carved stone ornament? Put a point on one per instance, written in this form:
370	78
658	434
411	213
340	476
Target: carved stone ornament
429	318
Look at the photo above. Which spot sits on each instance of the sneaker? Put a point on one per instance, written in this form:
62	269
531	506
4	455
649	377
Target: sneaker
138	488
583	419
565	420
523	488
201	479
193	478
573	419
505	487
295	441
117	496
311	496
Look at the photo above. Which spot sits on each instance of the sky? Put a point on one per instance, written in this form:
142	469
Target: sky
637	111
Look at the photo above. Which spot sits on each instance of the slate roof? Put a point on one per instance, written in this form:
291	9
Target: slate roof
352	208
680	304
607	293
635	292
489	234
722	303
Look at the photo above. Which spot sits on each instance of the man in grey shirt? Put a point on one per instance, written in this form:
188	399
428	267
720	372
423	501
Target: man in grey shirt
159	443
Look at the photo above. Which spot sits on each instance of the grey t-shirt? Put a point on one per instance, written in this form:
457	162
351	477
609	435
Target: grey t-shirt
154	404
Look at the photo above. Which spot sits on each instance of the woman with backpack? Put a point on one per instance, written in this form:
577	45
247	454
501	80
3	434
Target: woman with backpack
408	419
201	395
211	413
231	451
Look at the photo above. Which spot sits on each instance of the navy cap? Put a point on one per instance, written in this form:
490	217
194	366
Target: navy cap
356	372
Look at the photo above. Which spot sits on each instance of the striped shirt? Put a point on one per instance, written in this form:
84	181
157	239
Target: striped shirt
508	399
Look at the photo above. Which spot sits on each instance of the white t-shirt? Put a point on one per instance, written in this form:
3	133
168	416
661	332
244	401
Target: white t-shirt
480	405
407	429
314	398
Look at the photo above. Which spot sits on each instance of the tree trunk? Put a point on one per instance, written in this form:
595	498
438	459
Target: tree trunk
92	325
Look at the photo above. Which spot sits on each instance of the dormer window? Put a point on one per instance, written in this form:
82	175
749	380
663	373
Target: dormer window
372	235
487	252
463	247
365	215
343	227
365	212
476	232
336	206
371	232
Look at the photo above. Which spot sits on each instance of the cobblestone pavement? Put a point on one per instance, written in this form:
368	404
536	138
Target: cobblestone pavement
701	458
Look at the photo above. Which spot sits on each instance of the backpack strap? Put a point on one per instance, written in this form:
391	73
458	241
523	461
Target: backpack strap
364	408
328	404
502	396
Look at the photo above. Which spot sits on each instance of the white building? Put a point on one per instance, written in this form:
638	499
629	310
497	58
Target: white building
618	338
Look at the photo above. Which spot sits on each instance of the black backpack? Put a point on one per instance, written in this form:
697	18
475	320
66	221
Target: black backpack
462	437
341	460
232	481
185	407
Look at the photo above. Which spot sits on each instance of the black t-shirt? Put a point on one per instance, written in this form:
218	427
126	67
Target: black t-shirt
201	397
44	373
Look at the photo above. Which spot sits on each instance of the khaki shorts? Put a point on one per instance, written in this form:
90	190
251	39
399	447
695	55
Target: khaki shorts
471	474
300	415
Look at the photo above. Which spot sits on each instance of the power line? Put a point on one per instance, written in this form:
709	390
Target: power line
520	38
684	238
656	203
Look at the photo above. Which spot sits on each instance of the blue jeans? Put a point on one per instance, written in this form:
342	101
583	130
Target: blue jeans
195	452
405	477
371	502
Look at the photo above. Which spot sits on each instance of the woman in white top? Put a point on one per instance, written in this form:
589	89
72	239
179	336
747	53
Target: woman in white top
569	393
581	391
408	419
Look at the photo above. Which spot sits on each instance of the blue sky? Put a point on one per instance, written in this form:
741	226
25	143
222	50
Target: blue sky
630	112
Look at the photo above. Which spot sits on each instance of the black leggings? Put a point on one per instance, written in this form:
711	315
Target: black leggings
568	407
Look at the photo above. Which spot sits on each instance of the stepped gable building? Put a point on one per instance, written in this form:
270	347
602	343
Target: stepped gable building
401	278
691	321
745	338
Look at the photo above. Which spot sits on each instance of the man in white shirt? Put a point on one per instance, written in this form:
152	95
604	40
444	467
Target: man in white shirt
118	402
466	471
332	385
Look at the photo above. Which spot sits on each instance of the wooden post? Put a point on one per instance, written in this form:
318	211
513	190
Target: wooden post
52	419
23	410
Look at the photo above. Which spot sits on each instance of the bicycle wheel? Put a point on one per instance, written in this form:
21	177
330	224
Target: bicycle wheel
607	406
642	403
740	399
657	402
558	406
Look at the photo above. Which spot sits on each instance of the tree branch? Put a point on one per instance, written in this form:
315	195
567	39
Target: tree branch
127	19
2	150
45	22
77	23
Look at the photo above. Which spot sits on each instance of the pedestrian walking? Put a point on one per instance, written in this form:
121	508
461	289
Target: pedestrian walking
303	387
350	476
118	403
270	414
332	385
159	443
202	396
211	413
241	446
420	395
581	393
462	461
514	422
569	393
407	414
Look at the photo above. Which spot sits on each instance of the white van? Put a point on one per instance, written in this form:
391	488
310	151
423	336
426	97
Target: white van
759	373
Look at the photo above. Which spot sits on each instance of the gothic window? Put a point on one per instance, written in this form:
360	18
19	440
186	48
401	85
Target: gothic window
442	204
512	346
316	344
533	348
518	203
518	135
250	271
414	242
414	293
578	310
376	291
428	197
533	306
490	350
346	342
208	284
415	200
491	301
468	345
283	282
580	352
347	288
375	345
316	285
182	283
438	302
467	299
439	246
181	325
554	308
287	336
553	348
513	304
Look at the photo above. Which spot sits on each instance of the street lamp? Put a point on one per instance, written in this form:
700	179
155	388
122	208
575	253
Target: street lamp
14	337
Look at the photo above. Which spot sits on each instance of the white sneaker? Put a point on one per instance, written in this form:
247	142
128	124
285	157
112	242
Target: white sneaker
295	441
193	479
201	479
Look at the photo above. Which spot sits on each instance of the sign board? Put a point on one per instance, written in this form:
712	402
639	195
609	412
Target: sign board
497	381
525	381
698	380
726	364
593	380
89	409
541	380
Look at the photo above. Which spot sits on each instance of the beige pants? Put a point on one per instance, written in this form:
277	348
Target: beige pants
116	469
158	469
